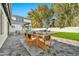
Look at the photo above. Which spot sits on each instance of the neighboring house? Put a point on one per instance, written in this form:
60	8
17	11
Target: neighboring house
18	24
5	17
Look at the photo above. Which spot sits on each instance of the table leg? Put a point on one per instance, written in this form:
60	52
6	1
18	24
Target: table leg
38	41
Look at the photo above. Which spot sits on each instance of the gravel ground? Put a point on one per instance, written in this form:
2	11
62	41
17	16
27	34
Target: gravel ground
13	47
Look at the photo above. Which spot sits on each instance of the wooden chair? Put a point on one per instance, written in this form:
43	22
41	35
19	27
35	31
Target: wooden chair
38	40
30	39
46	41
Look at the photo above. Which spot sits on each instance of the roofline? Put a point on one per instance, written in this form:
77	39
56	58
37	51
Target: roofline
19	16
6	13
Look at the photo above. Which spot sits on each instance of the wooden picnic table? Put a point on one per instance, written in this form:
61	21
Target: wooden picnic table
39	38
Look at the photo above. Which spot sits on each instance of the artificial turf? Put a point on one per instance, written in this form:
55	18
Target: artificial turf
67	35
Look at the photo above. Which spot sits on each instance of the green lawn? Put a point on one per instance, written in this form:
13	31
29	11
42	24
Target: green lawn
72	36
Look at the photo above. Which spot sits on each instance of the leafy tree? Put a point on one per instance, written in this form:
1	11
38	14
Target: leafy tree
65	13
40	15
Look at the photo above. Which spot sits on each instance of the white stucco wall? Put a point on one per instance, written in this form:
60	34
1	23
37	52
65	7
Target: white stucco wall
65	29
4	35
17	27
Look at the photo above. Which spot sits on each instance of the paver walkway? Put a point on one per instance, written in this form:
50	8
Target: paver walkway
13	47
67	41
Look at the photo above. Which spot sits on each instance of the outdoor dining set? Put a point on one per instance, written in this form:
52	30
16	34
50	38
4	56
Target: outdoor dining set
38	39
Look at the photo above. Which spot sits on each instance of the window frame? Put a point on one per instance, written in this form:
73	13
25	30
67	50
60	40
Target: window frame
1	22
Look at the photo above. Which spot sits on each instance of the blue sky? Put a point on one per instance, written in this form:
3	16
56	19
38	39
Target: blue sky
22	9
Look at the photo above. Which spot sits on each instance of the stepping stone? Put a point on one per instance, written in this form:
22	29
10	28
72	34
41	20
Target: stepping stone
32	50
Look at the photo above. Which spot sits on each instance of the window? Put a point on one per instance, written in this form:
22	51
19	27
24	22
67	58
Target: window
1	22
13	26
19	19
14	18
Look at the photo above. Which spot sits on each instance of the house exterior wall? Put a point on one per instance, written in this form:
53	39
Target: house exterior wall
5	27
15	27
17	23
